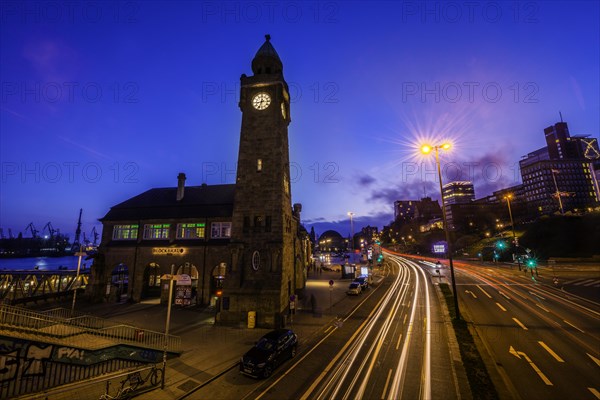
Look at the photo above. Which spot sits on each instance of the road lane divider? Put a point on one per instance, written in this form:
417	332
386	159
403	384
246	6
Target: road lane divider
484	292
399	340
472	294
549	350
542	307
502	293
520	324
518	354
387	382
567	322
537	295
500	305
594	359
595	392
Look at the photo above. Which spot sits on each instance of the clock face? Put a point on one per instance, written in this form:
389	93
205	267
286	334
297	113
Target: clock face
256	261
283	112
261	101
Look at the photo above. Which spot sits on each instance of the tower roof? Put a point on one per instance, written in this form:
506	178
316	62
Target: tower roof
266	60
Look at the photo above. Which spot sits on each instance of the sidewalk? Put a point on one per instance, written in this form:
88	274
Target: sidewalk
209	349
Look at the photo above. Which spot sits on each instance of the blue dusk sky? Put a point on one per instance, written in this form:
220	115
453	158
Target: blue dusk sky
101	101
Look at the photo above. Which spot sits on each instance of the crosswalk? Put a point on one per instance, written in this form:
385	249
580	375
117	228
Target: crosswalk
594	282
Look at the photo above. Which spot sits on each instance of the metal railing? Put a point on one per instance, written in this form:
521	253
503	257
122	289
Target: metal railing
84	328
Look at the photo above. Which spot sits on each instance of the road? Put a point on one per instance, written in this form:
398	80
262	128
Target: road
544	342
392	345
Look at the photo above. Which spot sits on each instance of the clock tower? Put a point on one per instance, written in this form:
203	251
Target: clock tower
262	275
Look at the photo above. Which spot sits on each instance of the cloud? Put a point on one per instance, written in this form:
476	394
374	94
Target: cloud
366	180
343	226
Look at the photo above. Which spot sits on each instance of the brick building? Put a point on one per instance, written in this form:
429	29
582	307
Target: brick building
241	244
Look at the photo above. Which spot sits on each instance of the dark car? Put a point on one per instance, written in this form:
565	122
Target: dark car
269	352
363	281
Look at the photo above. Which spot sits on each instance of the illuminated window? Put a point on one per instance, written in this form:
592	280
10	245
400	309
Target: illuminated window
219	230
125	232
259	164
191	231
156	231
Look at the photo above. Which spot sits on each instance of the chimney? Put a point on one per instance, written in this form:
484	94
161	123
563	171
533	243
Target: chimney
180	185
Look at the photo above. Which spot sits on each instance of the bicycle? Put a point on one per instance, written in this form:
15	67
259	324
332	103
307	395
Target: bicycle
135	379
122	394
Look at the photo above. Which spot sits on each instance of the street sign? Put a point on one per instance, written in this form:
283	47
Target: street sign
293	297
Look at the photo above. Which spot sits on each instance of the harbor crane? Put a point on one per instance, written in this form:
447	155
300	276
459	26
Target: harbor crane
51	230
34	231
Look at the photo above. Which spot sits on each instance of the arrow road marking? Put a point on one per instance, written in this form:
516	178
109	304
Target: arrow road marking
594	359
472	294
549	350
518	354
520	324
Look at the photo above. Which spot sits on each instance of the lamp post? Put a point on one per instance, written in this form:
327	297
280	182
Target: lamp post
512	224
81	253
351	214
426	149
167	324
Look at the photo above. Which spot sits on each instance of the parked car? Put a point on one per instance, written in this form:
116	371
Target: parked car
269	352
336	268
363	281
354	288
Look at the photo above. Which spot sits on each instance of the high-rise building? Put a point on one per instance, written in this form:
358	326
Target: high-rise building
458	192
562	176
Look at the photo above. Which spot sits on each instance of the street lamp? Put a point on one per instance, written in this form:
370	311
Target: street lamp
351	214
79	254
512	224
426	149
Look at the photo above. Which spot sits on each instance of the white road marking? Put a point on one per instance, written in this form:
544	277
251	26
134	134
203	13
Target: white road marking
486	293
567	322
518	354
504	295
387	381
520	324
399	340
500	305
594	392
537	295
542	307
472	294
549	350
594	359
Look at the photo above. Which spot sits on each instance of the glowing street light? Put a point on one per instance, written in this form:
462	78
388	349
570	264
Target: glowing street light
351	214
426	149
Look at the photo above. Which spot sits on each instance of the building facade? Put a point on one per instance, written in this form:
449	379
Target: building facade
242	244
563	176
